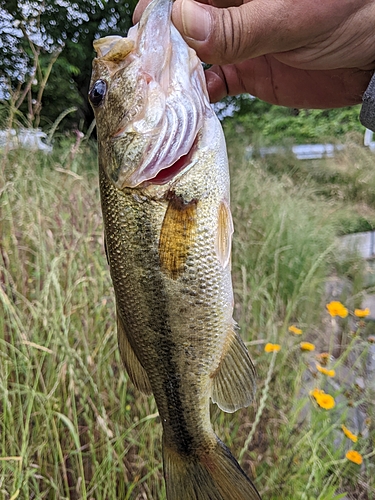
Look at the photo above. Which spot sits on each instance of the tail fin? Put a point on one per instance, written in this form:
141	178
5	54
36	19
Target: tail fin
215	475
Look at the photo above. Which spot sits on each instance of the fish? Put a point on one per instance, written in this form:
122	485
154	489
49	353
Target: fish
164	187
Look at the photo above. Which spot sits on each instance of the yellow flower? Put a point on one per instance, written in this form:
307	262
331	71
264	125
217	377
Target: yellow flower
324	400
315	392
325	371
361	313
349	434
354	456
272	347
307	346
335	308
295	330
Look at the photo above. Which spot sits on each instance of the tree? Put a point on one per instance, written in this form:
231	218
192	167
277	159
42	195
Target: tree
263	124
53	39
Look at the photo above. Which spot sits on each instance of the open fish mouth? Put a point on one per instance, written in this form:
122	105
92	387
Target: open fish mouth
154	139
182	165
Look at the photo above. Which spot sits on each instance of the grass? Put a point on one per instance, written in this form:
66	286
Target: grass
73	427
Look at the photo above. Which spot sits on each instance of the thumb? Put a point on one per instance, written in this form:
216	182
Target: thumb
218	35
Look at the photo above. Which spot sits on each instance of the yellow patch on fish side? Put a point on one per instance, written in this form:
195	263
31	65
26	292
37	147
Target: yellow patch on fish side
177	235
224	234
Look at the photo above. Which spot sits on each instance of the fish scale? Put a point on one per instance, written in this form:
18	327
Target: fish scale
168	232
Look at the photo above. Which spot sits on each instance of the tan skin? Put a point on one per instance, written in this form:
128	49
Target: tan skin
297	53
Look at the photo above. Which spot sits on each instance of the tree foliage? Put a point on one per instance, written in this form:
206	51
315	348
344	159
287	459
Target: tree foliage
265	124
44	29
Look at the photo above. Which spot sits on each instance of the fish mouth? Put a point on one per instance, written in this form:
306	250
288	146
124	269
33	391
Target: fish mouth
158	104
167	174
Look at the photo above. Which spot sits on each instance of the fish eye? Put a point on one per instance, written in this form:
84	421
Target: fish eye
98	92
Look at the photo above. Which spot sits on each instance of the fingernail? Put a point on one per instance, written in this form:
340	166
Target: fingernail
196	21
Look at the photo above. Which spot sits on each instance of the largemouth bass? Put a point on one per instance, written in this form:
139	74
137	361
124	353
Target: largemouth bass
164	186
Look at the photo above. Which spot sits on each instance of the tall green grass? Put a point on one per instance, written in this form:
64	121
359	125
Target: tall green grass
71	424
347	182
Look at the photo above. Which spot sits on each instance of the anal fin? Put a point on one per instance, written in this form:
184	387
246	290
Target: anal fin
132	364
234	379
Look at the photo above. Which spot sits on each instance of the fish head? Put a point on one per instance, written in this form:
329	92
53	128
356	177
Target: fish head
150	100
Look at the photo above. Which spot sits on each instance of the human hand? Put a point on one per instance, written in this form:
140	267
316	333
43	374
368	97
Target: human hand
294	53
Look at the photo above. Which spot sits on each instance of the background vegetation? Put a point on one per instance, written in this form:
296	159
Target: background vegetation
264	124
73	427
46	53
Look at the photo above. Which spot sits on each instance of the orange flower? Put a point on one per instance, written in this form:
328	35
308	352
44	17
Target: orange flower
324	400
354	456
323	358
349	434
361	313
329	373
295	330
307	346
272	347
335	308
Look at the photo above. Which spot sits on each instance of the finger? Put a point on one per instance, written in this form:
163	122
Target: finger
270	80
258	27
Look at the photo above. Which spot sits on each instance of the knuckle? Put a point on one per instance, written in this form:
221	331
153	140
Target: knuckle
230	31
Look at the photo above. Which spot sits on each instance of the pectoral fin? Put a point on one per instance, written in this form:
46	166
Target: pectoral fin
234	379
132	364
224	234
